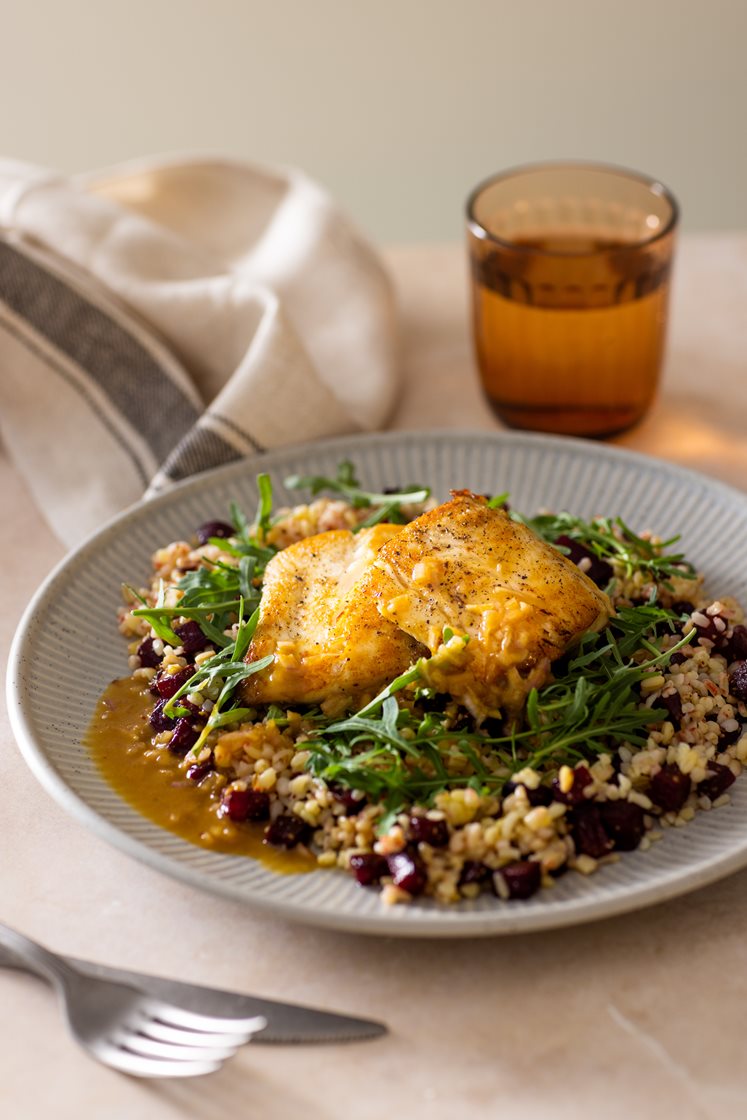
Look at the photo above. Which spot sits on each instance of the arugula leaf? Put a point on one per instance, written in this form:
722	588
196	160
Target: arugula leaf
219	714
158	620
403	746
346	483
240	523
612	539
222	665
229	668
399	758
247	568
246	540
263	520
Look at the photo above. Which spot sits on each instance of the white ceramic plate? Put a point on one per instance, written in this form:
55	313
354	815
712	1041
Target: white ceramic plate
67	649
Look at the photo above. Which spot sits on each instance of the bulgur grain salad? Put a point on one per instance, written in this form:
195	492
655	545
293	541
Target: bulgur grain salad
417	737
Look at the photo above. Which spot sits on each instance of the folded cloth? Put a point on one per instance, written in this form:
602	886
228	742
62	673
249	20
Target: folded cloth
165	317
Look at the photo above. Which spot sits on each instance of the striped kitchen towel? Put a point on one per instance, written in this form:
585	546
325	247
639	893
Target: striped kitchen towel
163	318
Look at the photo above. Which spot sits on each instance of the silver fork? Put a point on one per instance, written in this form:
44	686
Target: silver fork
128	1030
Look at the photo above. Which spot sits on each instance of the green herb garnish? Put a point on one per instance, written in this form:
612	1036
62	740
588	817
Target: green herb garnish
228	669
216	594
403	747
399	757
611	539
263	519
158	616
346	484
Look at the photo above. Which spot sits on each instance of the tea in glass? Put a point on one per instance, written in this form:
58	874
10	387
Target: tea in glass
570	280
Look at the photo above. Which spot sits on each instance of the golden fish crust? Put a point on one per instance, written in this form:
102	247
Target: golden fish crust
329	642
470	569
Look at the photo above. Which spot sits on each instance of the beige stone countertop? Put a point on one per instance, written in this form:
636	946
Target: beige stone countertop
639	1016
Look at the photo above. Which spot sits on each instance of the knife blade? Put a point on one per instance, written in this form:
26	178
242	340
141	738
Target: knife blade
286	1022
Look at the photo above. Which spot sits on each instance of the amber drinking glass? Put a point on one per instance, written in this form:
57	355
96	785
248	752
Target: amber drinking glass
570	283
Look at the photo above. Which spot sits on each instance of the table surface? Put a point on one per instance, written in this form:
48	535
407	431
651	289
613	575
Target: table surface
635	1016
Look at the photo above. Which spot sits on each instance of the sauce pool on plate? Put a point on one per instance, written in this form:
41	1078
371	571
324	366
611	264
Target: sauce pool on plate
153	781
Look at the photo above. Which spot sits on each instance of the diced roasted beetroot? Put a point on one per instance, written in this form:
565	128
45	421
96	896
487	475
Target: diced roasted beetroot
214	529
596	569
348	798
726	738
736	648
542	795
473	871
575	795
494	727
167	685
673	704
149	659
246	805
184	737
199	771
623	823
738	680
683	606
368	868
425	831
589	834
286	831
522	878
159	721
191	637
711	627
721	777
670	789
408	872
678	657
574	550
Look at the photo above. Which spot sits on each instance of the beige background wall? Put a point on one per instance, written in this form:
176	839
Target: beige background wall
398	106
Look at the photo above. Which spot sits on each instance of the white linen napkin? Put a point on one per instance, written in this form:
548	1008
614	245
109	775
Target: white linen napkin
161	318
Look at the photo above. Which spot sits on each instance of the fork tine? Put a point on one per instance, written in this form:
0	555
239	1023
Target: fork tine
154	1048
155	1029
191	1020
137	1065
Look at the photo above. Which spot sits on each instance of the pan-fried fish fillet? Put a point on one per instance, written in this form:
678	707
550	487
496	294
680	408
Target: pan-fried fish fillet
329	641
473	570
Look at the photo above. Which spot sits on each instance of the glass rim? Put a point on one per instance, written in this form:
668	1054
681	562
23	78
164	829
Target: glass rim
656	186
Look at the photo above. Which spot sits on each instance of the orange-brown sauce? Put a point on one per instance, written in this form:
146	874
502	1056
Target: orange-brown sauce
153	780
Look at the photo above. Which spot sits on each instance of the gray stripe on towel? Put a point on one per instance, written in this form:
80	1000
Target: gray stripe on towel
201	449
254	444
128	374
25	337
